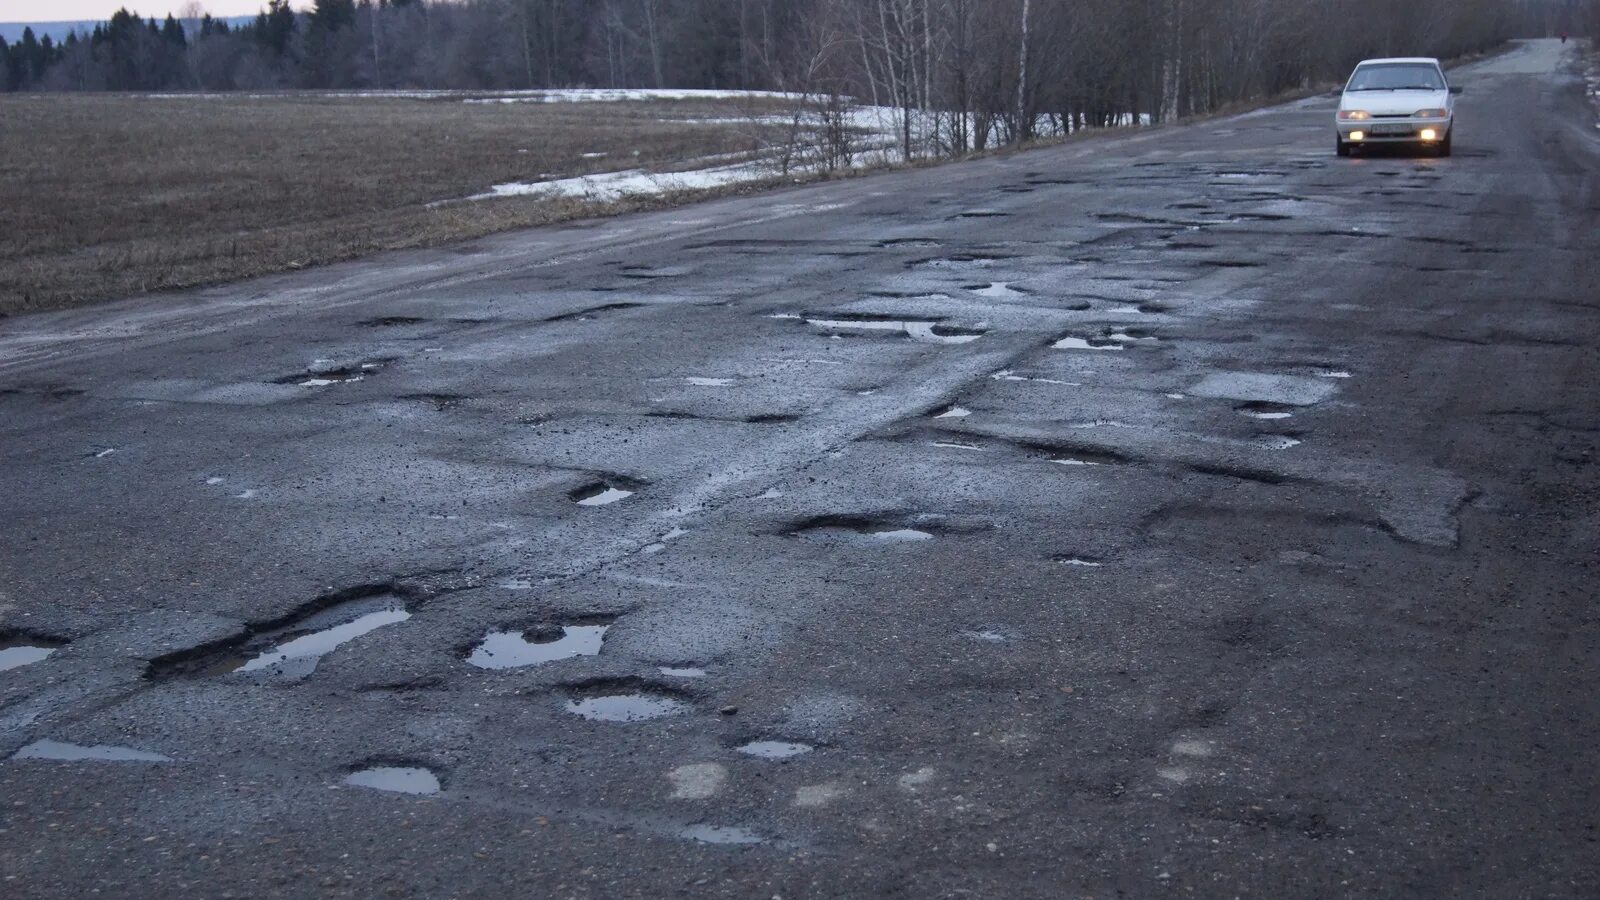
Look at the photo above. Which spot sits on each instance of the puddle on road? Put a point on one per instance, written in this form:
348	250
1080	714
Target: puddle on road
864	528
515	649
952	445
21	650
318	376
954	412
1077	343
900	536
1082	561
775	749
1008	375
1265	411
721	834
56	750
603	494
699	381
957	262
1070	461
1277	442
998	290
923	331
395	779
315	637
623	701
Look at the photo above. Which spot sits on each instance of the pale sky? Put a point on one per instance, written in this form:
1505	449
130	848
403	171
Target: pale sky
81	10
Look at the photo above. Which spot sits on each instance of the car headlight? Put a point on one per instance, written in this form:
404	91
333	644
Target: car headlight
1354	115
1431	114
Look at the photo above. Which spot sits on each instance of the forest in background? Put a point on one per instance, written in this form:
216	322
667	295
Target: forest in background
994	68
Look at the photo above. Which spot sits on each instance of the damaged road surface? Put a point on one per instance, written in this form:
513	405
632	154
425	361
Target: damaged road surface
1219	520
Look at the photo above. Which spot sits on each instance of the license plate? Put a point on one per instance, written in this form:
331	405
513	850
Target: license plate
1391	129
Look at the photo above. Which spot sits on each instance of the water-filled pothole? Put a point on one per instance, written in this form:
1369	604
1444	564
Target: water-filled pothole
924	331
395	779
623	700
1277	442
892	530
963	261
17	650
775	749
322	375
1260	409
293	651
953	412
1078	343
56	750
606	492
998	290
515	649
721	834
682	671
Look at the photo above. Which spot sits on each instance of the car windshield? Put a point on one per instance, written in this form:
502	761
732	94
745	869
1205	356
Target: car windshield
1396	77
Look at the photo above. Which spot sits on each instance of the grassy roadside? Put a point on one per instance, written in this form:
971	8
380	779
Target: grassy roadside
114	196
111	196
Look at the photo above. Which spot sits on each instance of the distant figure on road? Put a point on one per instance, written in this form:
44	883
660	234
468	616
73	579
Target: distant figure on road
1563	37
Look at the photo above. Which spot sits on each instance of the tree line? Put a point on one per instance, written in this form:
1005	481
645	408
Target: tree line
966	73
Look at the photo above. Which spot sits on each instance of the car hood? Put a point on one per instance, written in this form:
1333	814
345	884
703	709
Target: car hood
1391	103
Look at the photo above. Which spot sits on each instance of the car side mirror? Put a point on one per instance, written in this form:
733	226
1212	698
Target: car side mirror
1455	90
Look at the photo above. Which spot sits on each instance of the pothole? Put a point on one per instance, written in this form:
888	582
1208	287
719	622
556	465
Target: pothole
1277	442
291	650
953	412
688	672
1079	343
63	752
623	701
869	529
721	834
605	492
395	779
535	646
921	330
18	650
998	290
1260	409
391	321
322	374
775	749
588	315
959	262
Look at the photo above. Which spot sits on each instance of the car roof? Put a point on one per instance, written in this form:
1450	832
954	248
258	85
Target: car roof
1399	59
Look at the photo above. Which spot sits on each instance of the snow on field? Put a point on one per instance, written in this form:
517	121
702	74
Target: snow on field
608	95
566	95
633	183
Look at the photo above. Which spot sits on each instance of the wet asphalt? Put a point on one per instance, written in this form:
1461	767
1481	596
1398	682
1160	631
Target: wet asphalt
1188	512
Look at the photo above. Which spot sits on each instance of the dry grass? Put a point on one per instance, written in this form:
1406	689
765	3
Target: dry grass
112	196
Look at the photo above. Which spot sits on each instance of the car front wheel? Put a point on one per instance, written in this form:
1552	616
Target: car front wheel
1340	147
1444	145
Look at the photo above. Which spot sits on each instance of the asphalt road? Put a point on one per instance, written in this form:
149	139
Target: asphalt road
1182	513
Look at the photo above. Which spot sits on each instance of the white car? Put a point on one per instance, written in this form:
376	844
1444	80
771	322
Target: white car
1396	101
